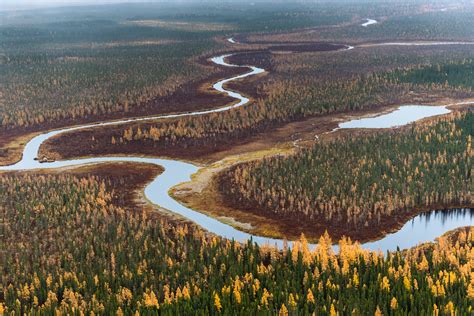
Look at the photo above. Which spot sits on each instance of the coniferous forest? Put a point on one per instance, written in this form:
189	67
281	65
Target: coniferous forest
68	250
133	164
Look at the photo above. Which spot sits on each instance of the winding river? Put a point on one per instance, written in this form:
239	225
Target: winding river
422	228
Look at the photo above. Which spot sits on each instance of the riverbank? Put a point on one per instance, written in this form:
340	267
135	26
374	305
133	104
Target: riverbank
203	194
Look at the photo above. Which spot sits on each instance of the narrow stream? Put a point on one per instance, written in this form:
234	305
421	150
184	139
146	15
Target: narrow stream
422	228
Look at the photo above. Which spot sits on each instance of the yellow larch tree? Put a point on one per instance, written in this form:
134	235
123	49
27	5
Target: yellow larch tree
310	297
393	303
217	302
283	311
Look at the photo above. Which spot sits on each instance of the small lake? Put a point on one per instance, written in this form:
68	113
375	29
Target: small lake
424	228
402	116
369	22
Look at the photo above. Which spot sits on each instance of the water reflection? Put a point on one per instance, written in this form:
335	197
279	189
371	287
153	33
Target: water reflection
403	115
424	228
444	216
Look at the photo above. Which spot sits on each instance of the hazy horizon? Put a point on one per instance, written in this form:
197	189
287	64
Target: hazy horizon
32	4
27	4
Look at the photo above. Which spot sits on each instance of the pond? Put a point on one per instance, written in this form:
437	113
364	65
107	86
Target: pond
402	116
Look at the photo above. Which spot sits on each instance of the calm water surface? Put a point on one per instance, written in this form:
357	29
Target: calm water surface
402	116
369	22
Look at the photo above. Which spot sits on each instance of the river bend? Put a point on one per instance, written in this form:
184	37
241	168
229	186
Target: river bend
422	228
